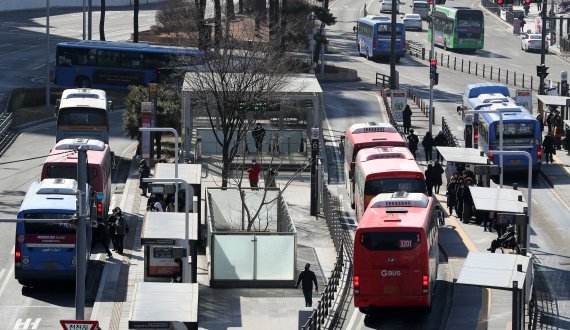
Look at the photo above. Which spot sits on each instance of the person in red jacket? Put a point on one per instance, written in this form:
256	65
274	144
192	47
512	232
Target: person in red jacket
254	170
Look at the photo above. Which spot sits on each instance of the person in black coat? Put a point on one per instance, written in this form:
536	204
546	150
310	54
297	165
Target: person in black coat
437	173
258	133
467	201
413	142
452	194
407	120
459	197
548	148
440	141
430	179
427	143
307	278
144	172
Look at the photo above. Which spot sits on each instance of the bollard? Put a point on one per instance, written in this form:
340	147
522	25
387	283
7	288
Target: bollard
432	115
491	77
441	60
469	67
507	80
476	68
515	77
531	82
198	148
523	80
499	75
461	65
483	70
448	61
423	53
454	63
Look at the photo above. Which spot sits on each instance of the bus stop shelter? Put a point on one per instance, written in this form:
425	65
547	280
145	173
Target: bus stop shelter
164	306
510	272
499	200
559	101
162	238
455	156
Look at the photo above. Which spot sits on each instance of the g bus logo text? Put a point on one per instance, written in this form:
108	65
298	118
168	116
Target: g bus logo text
390	273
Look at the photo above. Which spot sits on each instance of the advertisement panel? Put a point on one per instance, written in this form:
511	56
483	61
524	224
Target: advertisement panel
399	101
523	97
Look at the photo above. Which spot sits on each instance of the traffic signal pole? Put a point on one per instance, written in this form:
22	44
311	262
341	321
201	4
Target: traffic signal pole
431	58
393	79
541	90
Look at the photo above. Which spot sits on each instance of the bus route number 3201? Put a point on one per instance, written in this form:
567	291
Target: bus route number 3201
405	244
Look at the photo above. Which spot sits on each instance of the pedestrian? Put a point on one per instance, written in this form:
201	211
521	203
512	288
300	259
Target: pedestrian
157	206
458	109
440	141
540	119
558	128
270	176
407	119
111	219
451	194
549	120
144	172
258	134
567	141
437	174
488	222
467	201
522	22
413	142
101	236
539	5
120	228
429	175
548	148
427	143
468	174
253	172
307	278
459	197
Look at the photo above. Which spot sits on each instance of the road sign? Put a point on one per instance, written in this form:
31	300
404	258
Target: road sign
563	75
79	325
512	219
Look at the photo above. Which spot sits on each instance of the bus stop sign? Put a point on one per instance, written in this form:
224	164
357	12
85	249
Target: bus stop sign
512	219
486	170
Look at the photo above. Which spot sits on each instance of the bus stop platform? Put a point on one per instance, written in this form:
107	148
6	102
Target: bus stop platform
164	306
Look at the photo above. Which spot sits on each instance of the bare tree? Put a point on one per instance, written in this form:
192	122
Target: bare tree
235	84
102	20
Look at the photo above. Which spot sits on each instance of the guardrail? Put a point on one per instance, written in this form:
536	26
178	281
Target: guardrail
5	122
451	139
423	105
382	79
388	107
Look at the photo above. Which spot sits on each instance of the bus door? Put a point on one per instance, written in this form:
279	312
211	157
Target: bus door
393	264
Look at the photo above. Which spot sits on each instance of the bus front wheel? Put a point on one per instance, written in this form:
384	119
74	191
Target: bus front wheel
82	81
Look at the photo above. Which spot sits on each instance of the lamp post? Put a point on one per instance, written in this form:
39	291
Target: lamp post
529	190
500	135
431	57
171	130
185	271
47	57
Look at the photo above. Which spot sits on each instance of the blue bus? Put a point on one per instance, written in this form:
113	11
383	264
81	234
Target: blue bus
116	65
46	251
473	91
373	37
521	133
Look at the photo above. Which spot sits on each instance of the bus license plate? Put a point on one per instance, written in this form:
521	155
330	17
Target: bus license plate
391	290
515	162
50	265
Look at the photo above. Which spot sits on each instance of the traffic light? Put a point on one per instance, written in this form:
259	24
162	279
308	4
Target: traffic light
527	2
542	71
433	75
500	2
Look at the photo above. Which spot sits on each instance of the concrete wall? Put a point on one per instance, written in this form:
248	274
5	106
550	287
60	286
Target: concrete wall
8	5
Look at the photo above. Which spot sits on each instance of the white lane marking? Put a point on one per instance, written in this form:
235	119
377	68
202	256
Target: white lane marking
26	324
6	279
352	319
2	271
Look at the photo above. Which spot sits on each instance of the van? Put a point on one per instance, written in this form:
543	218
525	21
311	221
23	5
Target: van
421	8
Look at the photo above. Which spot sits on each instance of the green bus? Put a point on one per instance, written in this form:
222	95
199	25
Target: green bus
457	28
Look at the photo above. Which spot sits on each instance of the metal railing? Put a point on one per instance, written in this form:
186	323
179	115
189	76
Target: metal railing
423	105
451	139
382	79
5	122
388	107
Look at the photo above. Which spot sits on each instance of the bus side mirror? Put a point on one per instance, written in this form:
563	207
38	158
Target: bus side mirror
110	106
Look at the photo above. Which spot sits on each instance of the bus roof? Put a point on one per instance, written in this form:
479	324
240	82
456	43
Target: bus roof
486	100
374	133
474	90
387	159
511	112
83	97
406	210
376	20
452	11
66	152
73	144
51	194
126	46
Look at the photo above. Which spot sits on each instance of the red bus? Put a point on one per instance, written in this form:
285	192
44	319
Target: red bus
385	170
396	254
62	164
366	135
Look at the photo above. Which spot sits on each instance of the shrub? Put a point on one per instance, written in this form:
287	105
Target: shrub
177	16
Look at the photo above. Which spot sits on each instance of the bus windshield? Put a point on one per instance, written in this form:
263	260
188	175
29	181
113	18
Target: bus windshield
469	24
390	241
515	133
389	185
82	116
68	172
385	29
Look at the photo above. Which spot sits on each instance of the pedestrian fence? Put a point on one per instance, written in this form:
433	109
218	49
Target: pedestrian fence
382	79
489	72
451	139
423	105
335	293
384	95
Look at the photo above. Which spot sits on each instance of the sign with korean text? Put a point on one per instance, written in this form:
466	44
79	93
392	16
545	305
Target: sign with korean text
399	102
523	98
79	324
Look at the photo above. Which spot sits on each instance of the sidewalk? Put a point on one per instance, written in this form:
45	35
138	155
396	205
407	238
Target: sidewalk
248	308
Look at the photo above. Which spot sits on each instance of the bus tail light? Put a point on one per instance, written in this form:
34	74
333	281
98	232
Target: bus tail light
374	43
476	135
425	284
539	152
491	155
356	284
100	210
18	253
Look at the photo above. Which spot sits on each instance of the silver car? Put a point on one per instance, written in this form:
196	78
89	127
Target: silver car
413	22
386	6
421	7
532	41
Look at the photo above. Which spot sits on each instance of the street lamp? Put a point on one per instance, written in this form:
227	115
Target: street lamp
500	136
47	57
171	130
431	57
529	189
185	271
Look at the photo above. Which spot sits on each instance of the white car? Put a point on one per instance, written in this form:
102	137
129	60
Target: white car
413	21
532	41
386	6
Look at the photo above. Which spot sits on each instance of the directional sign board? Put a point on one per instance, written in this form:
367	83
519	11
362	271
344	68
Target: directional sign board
79	325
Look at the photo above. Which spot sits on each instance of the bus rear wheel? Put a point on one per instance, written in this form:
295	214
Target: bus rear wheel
82	81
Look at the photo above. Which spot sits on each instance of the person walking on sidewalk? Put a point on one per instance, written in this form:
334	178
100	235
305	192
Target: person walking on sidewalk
407	120
437	175
413	142
430	178
258	133
120	228
307	278
101	236
459	197
440	141
253	172
427	143
451	194
548	148
144	172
